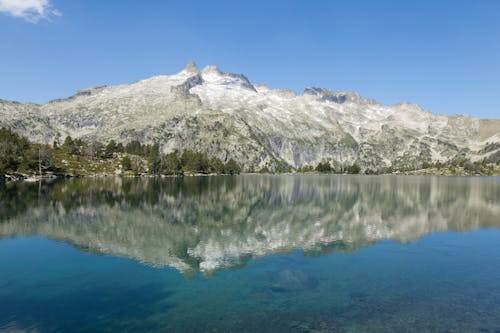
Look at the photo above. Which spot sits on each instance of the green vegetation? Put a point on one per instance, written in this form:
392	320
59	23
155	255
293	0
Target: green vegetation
126	163
189	162
325	167
457	166
17	154
77	157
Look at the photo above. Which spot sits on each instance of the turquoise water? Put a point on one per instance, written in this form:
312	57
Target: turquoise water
251	254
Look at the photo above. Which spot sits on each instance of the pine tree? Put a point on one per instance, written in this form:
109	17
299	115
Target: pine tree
324	167
69	146
232	167
172	163
110	149
154	160
353	169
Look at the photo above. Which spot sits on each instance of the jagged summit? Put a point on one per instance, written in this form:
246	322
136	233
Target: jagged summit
227	116
339	97
211	69
213	75
191	67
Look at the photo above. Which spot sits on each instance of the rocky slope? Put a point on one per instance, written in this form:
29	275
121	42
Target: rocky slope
226	115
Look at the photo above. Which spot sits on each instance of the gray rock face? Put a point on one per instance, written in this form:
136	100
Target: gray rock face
227	116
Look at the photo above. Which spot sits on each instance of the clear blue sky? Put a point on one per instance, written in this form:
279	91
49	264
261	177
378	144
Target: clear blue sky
443	55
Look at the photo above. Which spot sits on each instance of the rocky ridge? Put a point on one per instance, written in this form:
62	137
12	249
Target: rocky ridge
226	115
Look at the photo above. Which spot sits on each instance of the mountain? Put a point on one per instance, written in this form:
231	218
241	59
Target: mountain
226	115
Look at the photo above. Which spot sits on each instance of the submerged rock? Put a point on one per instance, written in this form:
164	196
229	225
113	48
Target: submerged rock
290	280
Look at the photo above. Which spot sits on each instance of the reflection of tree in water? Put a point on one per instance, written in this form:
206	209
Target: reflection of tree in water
16	198
210	223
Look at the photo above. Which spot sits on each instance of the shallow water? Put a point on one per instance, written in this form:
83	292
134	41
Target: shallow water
253	253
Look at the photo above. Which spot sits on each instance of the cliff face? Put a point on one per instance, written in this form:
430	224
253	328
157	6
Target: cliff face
226	115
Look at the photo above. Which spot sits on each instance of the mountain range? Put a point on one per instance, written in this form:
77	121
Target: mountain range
228	116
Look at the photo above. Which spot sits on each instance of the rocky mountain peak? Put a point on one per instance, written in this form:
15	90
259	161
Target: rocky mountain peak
211	70
338	97
191	67
214	75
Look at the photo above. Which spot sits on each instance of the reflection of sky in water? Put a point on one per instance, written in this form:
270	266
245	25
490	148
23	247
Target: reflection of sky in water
362	279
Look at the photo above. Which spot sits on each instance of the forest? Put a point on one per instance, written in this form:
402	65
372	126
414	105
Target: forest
79	157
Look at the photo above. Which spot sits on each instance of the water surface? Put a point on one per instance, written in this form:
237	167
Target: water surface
253	253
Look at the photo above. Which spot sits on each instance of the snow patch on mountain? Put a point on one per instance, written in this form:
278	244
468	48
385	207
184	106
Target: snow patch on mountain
225	114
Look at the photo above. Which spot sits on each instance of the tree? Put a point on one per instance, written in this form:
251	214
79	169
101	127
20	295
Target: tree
172	163
232	167
216	166
79	144
324	167
202	164
29	161
187	160
282	167
135	148
306	168
93	150
45	161
13	149
154	159
194	162
353	169
126	163
369	171
120	148
110	149
69	146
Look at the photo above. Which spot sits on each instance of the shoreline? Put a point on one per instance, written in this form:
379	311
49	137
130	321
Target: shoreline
34	178
9	178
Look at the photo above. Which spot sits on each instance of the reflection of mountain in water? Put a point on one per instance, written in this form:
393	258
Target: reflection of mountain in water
209	223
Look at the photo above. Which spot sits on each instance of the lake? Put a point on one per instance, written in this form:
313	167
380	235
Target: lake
251	253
